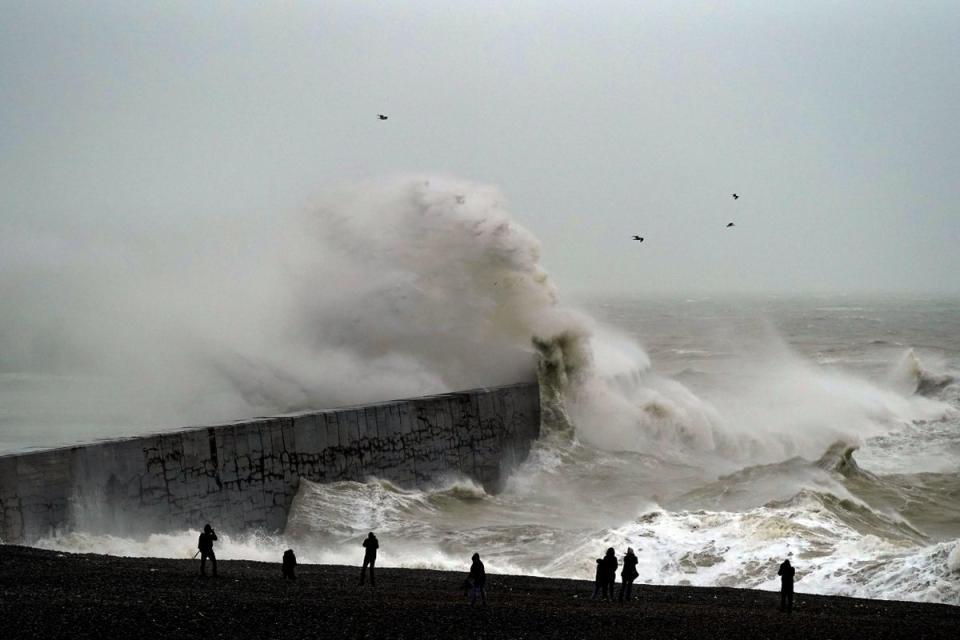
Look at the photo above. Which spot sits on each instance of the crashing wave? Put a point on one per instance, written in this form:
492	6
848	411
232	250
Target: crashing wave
839	458
911	373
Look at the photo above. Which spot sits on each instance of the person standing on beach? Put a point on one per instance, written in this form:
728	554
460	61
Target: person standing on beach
289	565
598	579
370	546
628	575
478	580
786	586
205	545
609	573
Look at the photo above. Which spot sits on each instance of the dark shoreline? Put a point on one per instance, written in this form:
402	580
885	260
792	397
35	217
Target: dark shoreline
48	594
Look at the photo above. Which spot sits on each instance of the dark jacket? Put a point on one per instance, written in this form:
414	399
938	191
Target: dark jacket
610	565
371	545
205	543
600	569
289	563
629	567
786	576
478	576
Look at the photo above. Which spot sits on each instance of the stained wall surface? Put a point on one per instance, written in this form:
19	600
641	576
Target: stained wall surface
244	475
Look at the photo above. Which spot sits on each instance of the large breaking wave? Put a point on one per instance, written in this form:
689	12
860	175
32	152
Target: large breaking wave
424	284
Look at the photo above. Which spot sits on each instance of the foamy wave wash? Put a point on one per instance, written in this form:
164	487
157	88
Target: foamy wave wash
422	284
773	404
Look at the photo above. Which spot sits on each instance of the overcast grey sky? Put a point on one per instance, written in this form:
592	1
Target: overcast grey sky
837	122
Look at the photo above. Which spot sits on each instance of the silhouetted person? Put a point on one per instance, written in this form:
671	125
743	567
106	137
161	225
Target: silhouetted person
289	565
786	586
478	580
205	544
370	546
628	575
609	572
598	580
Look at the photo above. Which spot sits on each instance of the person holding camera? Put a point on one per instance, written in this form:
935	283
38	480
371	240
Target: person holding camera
786	573
205	545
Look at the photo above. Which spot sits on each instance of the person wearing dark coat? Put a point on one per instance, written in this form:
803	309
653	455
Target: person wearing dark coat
628	575
786	586
289	565
478	580
205	545
370	546
598	580
609	573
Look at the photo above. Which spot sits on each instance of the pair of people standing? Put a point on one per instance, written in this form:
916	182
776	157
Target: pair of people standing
477	578
607	575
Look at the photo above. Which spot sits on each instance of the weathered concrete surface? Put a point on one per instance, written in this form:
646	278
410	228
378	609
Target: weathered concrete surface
245	475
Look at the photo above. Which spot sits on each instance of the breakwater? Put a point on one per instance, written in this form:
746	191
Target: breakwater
244	475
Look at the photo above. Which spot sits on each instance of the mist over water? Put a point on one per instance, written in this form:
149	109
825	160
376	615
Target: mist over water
715	437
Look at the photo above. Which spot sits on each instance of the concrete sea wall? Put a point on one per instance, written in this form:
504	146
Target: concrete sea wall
244	475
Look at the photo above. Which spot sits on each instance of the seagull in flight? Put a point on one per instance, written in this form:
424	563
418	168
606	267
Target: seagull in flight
735	196
381	116
638	238
730	224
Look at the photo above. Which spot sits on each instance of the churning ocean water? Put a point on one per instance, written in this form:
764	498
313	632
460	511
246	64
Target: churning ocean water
715	436
806	428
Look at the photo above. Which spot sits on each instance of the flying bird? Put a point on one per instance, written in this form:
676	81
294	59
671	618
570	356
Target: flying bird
381	116
735	196
638	238
730	224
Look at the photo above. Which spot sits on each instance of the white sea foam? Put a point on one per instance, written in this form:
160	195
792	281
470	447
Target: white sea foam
424	284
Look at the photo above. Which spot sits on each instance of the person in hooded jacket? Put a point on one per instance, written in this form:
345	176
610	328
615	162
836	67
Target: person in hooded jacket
628	575
609	572
478	580
786	573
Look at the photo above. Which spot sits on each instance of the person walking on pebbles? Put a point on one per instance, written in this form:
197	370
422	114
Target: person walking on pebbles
370	546
205	545
786	573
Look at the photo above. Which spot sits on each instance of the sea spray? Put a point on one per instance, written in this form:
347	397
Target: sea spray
422	284
396	288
